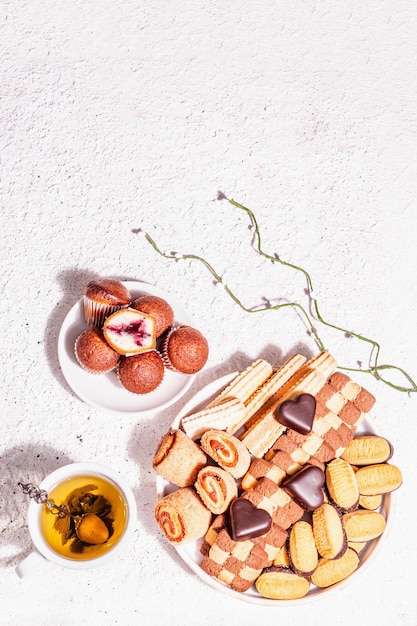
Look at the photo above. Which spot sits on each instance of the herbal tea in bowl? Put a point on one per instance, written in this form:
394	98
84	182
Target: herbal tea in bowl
82	515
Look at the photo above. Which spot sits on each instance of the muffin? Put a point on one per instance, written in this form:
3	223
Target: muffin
141	373
158	308
185	350
129	331
93	352
102	297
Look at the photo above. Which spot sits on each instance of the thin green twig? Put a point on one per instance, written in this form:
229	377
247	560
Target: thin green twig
375	368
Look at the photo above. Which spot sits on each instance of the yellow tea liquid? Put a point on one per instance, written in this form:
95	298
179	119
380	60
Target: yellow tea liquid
116	518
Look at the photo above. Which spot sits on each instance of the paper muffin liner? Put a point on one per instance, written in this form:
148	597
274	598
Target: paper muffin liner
164	349
95	313
133	393
90	370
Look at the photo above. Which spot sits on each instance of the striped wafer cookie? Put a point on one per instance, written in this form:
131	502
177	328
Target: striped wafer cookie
246	383
323	362
229	411
265	429
265	391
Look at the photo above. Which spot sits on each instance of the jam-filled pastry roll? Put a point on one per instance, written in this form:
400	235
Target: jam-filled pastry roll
216	487
228	451
178	459
182	516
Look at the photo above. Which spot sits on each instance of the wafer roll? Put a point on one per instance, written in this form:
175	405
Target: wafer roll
178	459
265	391
222	415
227	451
266	429
216	488
182	516
245	383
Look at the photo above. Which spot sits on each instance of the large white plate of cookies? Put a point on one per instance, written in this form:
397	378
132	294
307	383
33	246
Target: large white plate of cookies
274	484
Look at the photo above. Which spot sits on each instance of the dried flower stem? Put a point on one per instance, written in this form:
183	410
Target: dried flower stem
375	368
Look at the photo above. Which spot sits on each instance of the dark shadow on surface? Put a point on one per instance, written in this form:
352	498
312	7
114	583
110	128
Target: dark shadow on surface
152	430
26	464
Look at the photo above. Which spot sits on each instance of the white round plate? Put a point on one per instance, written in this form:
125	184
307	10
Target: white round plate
190	552
104	391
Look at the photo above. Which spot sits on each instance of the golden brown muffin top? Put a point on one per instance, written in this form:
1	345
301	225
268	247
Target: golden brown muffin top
108	291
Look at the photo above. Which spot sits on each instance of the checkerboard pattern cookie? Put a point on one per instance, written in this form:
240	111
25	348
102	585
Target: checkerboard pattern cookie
279	454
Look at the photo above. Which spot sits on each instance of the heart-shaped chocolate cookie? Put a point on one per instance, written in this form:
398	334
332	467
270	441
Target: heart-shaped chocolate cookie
247	521
297	414
306	487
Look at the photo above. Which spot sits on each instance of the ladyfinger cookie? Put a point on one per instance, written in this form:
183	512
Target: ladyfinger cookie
281	583
363	525
331	571
342	484
302	549
378	479
367	450
282	559
329	532
372	503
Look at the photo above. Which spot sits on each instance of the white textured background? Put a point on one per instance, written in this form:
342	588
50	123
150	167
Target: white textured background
122	115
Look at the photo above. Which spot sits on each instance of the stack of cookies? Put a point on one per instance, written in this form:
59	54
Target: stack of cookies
272	481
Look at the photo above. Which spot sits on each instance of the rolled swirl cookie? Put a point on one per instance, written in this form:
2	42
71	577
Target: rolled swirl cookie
182	516
178	459
216	487
228	451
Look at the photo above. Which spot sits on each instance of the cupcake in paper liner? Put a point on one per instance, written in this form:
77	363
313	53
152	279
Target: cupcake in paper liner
93	352
102	297
185	350
141	373
159	308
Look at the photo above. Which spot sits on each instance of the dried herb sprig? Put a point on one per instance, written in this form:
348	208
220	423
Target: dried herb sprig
375	368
